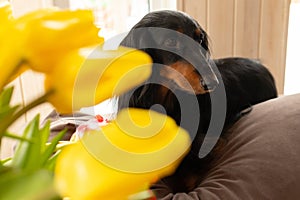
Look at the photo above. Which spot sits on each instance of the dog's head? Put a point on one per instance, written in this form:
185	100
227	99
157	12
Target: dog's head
179	49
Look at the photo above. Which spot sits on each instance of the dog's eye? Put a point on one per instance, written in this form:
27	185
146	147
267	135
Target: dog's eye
171	43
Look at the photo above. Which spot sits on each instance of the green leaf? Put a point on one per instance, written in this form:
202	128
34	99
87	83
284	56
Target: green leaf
33	151
4	169
44	135
17	137
8	117
50	164
50	149
26	185
5	118
7	111
28	153
5	96
4	161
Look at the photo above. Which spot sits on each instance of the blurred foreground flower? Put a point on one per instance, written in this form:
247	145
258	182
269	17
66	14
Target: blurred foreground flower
51	34
10	45
49	41
94	75
40	39
129	154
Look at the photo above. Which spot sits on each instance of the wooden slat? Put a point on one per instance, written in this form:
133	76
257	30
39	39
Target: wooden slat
247	27
180	5
33	87
221	27
64	4
273	37
197	9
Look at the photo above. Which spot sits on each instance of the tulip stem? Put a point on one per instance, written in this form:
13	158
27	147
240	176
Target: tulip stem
22	111
13	136
13	72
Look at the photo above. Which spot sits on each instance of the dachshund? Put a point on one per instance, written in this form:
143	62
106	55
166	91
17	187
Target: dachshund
184	79
181	68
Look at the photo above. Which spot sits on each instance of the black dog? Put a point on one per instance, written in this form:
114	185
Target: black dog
179	49
181	71
184	79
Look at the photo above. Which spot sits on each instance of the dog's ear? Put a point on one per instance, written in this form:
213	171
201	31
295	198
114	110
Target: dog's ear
205	41
138	38
130	40
142	39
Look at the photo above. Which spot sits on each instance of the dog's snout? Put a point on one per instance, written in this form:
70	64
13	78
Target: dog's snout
209	85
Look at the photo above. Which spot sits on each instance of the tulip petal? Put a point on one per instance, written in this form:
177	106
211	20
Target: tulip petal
10	39
91	177
154	145
50	34
86	80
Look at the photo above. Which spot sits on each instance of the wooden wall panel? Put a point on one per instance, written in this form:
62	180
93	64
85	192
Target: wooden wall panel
248	28
273	37
33	87
197	9
221	27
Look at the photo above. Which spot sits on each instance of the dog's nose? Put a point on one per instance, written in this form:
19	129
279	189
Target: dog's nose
209	85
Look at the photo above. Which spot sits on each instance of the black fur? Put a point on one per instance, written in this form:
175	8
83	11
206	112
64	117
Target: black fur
246	81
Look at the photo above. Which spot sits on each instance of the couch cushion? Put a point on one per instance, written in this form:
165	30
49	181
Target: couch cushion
261	159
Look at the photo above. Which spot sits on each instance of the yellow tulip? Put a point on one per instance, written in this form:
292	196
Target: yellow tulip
5	14
137	149
42	38
10	49
50	34
85	79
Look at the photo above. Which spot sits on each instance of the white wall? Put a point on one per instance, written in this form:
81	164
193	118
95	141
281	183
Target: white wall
292	80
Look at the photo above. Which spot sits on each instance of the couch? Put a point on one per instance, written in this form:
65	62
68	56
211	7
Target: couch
261	159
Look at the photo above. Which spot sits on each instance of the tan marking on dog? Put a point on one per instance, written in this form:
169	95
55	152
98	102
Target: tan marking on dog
185	76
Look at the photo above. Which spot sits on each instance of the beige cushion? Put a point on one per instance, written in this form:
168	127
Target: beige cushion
261	159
